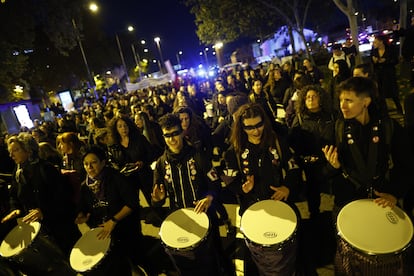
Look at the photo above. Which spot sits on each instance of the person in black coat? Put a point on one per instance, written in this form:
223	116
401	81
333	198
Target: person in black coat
109	200
359	162
39	193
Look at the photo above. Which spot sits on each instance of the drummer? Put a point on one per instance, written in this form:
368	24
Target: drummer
185	175
254	164
372	156
39	194
109	200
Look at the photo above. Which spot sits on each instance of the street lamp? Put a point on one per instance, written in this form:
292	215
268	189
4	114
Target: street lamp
217	48
94	8
157	41
178	58
137	57
122	56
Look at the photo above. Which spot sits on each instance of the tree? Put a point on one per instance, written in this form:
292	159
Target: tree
21	22
228	20
349	11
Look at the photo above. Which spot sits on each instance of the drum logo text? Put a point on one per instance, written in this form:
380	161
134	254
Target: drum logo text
392	217
270	235
182	239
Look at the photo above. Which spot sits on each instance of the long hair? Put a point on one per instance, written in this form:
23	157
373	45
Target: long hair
238	136
133	129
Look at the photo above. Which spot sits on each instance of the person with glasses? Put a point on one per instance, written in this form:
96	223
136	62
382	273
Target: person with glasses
185	175
255	163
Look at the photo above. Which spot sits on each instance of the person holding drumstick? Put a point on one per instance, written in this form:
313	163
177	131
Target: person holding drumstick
372	156
108	200
185	175
254	171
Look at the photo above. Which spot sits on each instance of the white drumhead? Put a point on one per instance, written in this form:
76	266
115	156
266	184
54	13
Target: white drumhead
373	229
19	238
268	222
89	250
184	228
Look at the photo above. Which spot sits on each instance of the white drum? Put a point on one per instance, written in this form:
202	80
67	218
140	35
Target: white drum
89	251
269	223
19	238
374	230
184	229
33	252
269	228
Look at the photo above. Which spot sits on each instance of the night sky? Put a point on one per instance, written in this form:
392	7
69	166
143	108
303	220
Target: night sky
168	19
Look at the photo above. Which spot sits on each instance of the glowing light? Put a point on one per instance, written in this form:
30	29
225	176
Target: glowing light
93	7
130	28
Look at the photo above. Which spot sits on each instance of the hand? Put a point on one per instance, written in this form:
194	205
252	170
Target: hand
81	218
33	215
281	193
385	199
11	215
158	193
331	155
375	59
139	164
203	204
249	184
107	226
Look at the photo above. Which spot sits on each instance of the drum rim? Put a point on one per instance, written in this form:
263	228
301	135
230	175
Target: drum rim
24	248
100	261
371	253
193	246
290	238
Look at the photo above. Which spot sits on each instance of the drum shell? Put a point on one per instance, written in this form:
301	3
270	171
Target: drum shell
275	249
42	257
391	258
351	261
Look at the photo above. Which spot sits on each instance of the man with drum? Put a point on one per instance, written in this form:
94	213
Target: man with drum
185	175
371	159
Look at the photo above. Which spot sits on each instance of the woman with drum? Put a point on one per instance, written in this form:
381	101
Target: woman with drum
185	175
371	159
109	203
254	172
39	195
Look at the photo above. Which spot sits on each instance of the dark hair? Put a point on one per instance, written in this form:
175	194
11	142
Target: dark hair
133	129
169	121
366	68
239	138
94	149
363	87
324	99
336	46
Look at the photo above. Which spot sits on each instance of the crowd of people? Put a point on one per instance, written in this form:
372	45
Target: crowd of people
270	133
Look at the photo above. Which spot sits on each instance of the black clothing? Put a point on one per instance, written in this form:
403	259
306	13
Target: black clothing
386	76
39	184
185	177
116	192
139	149
266	165
365	156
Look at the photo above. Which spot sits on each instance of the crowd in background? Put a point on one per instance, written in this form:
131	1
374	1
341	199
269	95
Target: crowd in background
299	101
